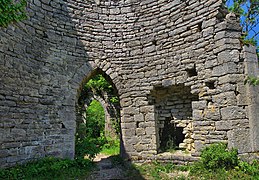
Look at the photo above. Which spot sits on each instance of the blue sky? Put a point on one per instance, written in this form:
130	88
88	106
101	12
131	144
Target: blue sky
250	33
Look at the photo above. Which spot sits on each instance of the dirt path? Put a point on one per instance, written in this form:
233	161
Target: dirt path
106	169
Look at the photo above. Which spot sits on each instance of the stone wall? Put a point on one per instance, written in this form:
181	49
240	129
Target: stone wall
140	45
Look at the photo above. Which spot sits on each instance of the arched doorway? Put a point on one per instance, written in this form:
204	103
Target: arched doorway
98	117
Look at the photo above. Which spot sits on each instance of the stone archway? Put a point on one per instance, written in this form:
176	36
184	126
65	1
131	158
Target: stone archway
105	97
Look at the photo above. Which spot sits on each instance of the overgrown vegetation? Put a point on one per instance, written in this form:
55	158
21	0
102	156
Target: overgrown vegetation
217	162
99	85
49	168
12	11
90	137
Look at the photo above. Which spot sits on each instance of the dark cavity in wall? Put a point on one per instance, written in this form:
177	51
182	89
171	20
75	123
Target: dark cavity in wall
191	72
170	136
173	112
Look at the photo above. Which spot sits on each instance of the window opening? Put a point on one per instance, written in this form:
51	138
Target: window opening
191	72
173	112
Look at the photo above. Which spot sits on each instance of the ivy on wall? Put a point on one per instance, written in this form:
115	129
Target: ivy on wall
11	11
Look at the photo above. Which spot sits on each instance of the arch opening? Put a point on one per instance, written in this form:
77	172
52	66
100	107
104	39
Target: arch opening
98	117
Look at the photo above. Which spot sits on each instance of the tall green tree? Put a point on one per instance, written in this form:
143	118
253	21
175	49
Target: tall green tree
12	11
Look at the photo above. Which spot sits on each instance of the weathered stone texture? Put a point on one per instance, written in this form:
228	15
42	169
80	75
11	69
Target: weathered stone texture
141	46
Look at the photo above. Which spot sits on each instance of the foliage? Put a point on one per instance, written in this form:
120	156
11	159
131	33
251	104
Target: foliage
90	138
111	147
219	163
89	147
251	169
95	119
170	145
218	156
48	168
252	80
98	84
11	11
248	10
158	170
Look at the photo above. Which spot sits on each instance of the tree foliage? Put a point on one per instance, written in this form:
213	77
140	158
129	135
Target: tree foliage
98	84
248	11
11	11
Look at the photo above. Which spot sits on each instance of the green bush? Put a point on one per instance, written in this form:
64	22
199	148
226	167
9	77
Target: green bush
251	169
218	156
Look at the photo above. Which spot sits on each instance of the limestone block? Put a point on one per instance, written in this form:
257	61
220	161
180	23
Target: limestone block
233	112
150	117
128	132
4	153
197	114
228	56
199	137
140	147
128	125
240	139
188	141
130	111
231	78
225	68
212	113
182	145
140	131
125	119
141	101
199	145
225	99
138	117
147	109
242	97
241	123
223	125
150	130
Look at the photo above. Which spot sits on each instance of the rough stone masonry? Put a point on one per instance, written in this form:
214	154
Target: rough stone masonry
175	63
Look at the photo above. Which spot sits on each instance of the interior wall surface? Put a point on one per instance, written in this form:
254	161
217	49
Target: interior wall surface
45	60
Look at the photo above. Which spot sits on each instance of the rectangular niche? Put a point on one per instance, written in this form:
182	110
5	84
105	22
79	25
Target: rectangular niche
173	109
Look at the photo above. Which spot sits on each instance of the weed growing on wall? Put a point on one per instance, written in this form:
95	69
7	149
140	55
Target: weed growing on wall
12	11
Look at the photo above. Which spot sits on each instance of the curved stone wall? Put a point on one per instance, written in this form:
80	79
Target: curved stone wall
141	46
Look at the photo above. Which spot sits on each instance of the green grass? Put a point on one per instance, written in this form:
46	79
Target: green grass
217	163
49	168
112	147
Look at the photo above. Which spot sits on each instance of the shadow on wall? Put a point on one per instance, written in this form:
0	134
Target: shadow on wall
42	62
